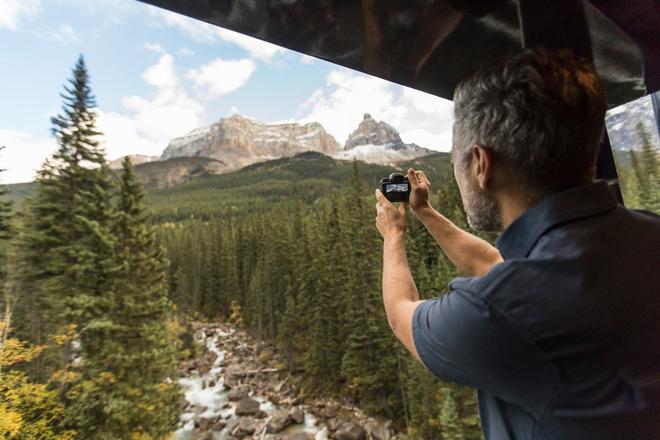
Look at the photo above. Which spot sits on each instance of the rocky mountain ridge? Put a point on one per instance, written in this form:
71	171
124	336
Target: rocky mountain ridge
238	141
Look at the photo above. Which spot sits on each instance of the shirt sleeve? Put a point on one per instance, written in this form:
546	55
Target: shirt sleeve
464	341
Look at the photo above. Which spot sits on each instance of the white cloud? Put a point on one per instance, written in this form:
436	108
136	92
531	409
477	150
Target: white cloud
23	155
64	34
204	32
220	77
258	49
339	106
154	47
148	124
162	73
11	11
185	51
306	59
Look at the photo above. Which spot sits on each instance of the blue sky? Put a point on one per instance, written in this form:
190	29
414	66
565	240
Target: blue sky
157	75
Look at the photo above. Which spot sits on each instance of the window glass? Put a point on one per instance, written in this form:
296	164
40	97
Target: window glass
633	132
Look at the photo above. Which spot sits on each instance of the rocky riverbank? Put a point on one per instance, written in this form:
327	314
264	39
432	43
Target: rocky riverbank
233	392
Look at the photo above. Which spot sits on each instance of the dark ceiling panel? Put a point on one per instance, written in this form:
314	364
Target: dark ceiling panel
431	44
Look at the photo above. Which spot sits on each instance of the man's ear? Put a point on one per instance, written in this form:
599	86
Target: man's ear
482	165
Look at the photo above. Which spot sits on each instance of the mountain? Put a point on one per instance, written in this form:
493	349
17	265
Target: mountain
378	142
182	187
171	172
306	176
622	124
136	159
238	141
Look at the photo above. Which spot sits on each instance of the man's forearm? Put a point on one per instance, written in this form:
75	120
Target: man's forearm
398	284
469	253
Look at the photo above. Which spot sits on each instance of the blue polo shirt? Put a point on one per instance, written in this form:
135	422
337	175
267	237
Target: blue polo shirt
562	339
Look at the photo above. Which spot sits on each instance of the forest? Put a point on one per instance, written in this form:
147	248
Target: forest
101	281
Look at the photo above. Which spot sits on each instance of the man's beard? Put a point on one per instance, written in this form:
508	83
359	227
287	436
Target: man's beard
482	211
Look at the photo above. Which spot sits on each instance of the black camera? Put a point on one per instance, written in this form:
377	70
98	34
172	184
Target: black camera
395	188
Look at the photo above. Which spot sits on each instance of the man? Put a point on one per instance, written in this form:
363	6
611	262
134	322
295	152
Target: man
558	327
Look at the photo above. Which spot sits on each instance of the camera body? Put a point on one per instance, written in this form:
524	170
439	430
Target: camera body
395	187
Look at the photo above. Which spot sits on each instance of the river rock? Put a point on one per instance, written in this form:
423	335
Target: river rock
297	415
219	424
296	436
237	394
350	431
204	423
333	424
377	431
330	410
247	425
247	407
279	421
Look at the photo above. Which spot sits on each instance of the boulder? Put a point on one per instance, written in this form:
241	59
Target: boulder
331	410
219	424
237	394
333	424
350	431
377	431
297	415
247	425
247	407
204	423
279	421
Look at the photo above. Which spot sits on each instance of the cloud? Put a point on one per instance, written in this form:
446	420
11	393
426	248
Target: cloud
339	106
306	59
220	77
148	124
23	155
12	11
64	34
185	51
154	47
200	31
162	73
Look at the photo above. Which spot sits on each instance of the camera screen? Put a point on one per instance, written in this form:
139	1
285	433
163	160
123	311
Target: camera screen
396	187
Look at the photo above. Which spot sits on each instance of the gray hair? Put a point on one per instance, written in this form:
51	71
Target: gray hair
541	113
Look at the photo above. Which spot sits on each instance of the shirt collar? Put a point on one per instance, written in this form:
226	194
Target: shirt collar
563	207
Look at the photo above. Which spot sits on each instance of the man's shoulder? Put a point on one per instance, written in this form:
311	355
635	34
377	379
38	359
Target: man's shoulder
501	278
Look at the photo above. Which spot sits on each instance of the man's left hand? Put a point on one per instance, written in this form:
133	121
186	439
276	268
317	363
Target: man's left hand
390	221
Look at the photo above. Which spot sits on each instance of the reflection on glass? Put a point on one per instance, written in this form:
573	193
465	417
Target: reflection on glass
633	133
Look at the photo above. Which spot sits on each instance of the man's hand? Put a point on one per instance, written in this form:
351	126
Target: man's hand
390	221
420	189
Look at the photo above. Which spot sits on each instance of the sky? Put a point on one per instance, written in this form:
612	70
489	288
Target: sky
157	75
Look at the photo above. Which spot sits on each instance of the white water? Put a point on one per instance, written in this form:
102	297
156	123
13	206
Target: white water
215	397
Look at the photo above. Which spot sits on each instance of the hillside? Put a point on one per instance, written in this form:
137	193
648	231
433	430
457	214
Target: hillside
185	186
306	176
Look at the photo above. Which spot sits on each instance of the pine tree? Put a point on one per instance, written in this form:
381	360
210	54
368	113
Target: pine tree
646	171
127	387
66	242
451	428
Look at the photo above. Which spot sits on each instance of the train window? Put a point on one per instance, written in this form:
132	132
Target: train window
633	133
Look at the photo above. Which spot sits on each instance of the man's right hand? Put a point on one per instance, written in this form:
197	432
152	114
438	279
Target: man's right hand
420	190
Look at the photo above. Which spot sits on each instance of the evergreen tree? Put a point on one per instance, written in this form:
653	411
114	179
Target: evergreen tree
127	386
451	429
66	241
646	171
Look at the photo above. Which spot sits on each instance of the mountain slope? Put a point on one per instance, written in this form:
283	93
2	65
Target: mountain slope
378	142
238	141
307	176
